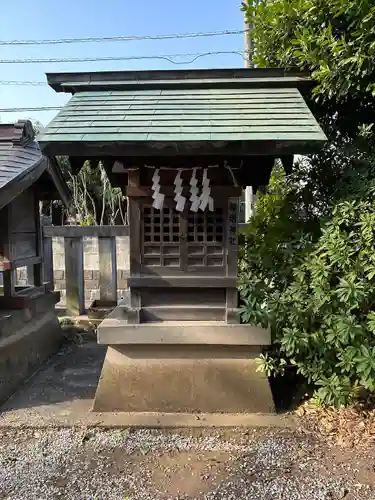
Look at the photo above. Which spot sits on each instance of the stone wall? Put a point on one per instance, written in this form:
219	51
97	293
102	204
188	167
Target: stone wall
91	266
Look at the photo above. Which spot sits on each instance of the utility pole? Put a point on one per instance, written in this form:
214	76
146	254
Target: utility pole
248	41
248	62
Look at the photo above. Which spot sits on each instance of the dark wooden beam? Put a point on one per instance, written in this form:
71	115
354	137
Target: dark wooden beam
9	265
85	231
79	151
70	82
59	183
216	191
187	161
181	282
287	162
76	162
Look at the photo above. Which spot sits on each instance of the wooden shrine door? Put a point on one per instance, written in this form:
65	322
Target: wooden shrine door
178	243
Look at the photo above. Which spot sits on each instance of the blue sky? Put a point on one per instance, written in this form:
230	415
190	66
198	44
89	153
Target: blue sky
46	19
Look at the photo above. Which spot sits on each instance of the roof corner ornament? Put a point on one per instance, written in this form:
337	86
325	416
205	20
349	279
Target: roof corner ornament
23	133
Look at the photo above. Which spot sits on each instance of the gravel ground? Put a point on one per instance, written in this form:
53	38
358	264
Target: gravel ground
77	464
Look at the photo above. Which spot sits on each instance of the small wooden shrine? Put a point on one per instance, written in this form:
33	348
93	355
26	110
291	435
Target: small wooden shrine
183	145
29	331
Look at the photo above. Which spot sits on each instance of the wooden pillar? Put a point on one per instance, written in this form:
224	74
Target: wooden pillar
134	246
107	268
35	271
47	256
38	268
9	276
9	283
231	248
75	283
134	225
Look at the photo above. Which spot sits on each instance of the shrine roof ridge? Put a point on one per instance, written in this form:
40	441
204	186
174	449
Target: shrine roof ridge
19	133
182	78
22	163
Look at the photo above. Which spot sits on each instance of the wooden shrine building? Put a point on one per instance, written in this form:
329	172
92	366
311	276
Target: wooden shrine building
29	330
182	145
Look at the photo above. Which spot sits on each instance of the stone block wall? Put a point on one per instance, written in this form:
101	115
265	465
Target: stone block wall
91	266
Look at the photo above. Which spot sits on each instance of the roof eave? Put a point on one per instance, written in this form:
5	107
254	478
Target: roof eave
182	148
21	182
68	82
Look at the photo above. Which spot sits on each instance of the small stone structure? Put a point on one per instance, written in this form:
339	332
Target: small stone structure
29	331
183	145
91	266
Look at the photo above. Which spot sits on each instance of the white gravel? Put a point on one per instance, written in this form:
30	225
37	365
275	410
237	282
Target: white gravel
73	464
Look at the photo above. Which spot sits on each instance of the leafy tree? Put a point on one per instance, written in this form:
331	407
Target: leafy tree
313	285
307	258
335	41
95	200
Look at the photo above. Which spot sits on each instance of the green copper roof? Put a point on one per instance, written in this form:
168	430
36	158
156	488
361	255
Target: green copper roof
225	110
170	115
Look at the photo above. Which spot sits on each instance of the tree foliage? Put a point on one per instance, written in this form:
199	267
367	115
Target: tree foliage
95	201
307	258
335	41
314	286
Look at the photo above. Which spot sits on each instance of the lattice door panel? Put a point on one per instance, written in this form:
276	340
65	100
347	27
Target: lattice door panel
160	237
206	239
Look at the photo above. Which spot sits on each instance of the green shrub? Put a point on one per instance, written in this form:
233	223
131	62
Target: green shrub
314	286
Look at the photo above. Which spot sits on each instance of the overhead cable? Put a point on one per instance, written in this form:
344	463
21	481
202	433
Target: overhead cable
121	38
22	83
21	110
166	57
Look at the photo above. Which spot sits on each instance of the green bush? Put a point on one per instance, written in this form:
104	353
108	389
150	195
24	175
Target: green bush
313	283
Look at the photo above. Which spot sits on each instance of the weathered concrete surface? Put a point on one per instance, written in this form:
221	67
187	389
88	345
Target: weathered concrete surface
113	330
61	395
25	342
182	379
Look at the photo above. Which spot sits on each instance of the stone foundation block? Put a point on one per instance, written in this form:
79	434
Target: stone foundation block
182	379
35	336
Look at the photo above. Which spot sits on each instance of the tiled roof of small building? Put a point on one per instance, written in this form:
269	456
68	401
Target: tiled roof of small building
245	106
19	152
22	163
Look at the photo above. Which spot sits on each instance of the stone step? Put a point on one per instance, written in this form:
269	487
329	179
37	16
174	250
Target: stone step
117	330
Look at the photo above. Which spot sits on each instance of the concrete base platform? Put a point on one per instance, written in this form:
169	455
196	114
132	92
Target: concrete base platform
182	379
61	394
23	350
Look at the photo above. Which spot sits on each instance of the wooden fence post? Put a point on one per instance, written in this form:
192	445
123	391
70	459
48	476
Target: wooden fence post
74	273
107	268
48	277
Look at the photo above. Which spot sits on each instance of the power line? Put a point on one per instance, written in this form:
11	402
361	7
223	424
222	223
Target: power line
166	57
21	83
21	110
121	38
